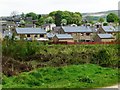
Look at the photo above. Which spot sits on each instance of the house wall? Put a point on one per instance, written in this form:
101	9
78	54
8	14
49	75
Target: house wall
100	30
98	39
107	40
32	36
61	31
55	39
81	36
1	38
67	40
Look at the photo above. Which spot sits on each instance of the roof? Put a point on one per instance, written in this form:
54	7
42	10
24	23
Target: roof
109	29
80	29
64	36
50	35
30	31
105	36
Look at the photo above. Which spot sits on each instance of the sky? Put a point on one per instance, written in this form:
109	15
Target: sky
47	6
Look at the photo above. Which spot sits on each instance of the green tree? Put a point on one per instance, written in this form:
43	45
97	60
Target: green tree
41	20
105	24
63	21
76	18
101	20
68	16
33	15
58	18
23	15
112	18
49	20
22	22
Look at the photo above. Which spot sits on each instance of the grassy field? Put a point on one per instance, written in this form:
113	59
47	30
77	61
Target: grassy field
73	76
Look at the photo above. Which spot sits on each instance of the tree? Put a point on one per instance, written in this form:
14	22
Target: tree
76	18
101	20
63	21
105	24
41	20
112	18
22	22
33	15
14	13
23	15
49	20
58	18
68	16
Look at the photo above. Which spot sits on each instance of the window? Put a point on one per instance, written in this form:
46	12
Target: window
82	34
35	36
87	34
28	35
41	35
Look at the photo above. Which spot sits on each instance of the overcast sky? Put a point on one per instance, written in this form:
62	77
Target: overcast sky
46	6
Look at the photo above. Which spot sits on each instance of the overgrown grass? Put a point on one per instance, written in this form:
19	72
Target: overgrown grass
73	76
31	55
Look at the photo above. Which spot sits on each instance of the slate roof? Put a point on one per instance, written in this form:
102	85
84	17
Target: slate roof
64	36
78	29
30	31
109	29
50	35
105	36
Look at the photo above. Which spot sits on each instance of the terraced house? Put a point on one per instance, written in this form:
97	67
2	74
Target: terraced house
31	33
63	38
79	33
104	38
108	30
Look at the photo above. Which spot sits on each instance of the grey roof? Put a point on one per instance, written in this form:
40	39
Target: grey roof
30	31
105	36
64	36
109	29
50	35
79	29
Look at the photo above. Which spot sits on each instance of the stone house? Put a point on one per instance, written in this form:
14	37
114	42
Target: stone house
31	33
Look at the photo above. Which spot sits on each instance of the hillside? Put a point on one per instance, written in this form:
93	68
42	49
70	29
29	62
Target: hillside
103	13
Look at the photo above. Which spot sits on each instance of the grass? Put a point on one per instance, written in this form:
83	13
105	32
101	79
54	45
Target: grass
73	76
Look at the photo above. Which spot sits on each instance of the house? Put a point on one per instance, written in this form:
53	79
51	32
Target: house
50	36
48	27
29	25
56	29
7	33
104	38
31	33
79	33
107	29
1	36
63	38
8	25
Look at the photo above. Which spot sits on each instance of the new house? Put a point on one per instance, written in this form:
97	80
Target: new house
63	38
104	38
79	33
107	29
31	33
